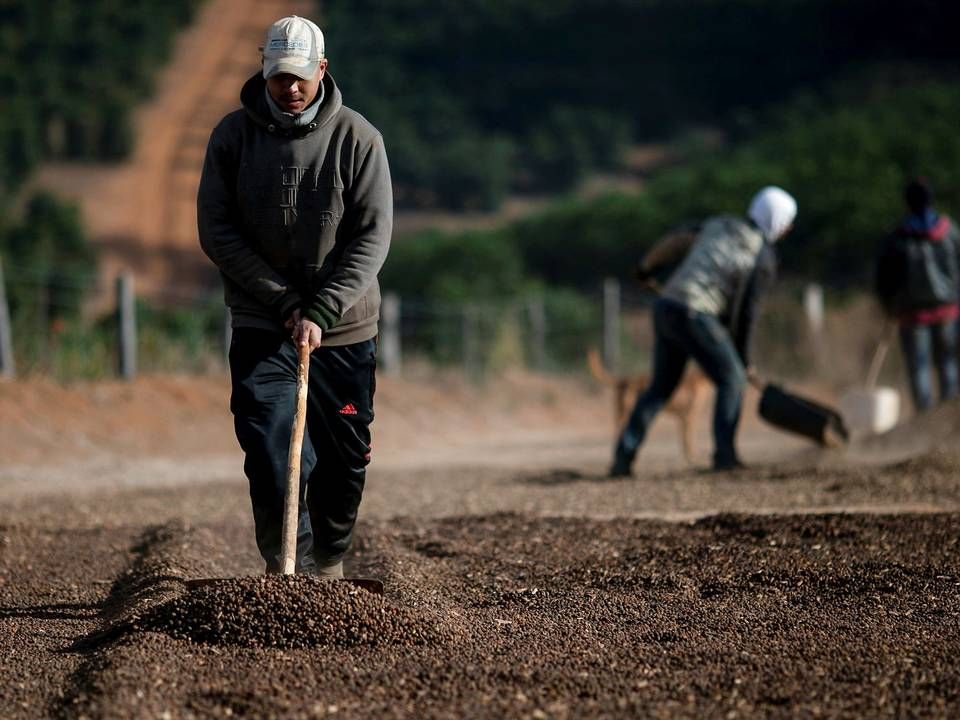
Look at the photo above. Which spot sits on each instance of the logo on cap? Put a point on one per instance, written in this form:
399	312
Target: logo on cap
283	44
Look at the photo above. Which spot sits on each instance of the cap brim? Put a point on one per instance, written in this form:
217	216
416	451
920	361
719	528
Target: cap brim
292	66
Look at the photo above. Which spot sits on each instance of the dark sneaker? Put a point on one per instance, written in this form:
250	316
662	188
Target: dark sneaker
619	469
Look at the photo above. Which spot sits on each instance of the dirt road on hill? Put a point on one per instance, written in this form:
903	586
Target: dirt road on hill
141	214
520	581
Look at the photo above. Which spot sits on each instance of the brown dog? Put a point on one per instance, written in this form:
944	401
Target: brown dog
684	404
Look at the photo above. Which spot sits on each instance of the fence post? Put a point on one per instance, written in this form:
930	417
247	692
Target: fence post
390	349
813	307
7	368
127	326
538	331
471	341
813	310
611	323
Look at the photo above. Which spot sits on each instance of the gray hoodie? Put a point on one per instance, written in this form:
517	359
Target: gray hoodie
298	217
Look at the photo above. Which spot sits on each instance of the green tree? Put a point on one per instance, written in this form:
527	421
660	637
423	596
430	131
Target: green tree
49	261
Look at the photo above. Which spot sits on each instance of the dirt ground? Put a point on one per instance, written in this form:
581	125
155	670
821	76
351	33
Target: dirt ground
519	581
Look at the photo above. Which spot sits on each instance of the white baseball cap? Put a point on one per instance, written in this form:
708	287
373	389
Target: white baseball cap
294	45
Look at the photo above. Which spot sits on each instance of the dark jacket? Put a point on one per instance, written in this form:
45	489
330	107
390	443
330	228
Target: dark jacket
918	270
298	218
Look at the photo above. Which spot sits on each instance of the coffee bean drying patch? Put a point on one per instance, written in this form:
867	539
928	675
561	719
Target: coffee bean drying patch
153	603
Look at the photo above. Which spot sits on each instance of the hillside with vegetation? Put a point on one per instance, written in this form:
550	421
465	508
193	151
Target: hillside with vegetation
479	99
840	102
72	73
844	154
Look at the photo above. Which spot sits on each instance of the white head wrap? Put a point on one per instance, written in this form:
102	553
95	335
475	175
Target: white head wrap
773	210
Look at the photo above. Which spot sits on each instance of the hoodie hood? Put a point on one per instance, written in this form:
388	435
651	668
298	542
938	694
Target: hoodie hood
253	98
927	226
294	120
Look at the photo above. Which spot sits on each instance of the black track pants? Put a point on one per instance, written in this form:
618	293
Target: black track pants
336	444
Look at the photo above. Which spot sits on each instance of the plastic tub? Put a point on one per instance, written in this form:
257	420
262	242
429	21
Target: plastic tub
871	411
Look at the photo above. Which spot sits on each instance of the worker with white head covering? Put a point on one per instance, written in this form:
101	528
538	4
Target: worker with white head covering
705	312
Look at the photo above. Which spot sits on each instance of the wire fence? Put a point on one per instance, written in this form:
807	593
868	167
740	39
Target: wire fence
51	330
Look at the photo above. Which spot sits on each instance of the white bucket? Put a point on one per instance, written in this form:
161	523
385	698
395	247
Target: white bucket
870	411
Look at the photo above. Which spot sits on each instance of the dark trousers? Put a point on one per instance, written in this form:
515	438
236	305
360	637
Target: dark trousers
681	334
336	444
920	343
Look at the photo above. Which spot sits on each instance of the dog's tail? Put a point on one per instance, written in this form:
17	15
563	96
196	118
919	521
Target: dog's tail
597	369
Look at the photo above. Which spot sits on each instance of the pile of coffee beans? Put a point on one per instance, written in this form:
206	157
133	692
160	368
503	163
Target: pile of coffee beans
287	611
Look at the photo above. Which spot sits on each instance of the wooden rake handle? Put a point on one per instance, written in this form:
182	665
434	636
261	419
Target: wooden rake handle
291	501
880	354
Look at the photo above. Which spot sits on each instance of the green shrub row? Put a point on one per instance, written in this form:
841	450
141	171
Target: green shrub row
846	163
